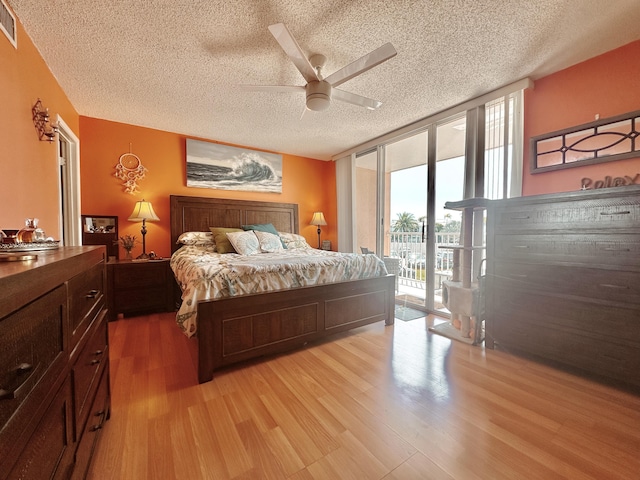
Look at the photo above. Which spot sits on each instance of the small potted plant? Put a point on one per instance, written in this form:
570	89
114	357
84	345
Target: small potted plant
128	242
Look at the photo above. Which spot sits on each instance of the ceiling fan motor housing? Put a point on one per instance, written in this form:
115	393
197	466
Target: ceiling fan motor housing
318	95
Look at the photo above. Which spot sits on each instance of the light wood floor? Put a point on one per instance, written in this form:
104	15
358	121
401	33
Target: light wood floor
379	403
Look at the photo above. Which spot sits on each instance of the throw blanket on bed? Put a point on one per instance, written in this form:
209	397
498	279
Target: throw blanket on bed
204	274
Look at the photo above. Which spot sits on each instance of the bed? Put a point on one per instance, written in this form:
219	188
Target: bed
240	328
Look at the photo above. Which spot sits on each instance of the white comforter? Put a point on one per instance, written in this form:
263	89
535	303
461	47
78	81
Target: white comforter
204	274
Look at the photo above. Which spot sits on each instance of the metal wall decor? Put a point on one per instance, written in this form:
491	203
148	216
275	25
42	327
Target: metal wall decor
46	130
130	170
604	140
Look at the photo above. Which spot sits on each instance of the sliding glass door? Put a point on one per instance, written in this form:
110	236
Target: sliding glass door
401	187
405	226
449	187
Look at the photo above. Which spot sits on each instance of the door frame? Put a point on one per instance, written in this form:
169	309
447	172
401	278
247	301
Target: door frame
69	186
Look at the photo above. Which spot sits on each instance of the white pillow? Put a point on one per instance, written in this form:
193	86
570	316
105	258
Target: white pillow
245	243
204	239
293	240
268	241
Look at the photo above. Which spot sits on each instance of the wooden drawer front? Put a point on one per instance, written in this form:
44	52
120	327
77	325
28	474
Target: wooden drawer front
86	370
140	300
597	338
86	297
98	415
140	275
570	315
616	286
32	338
48	453
588	250
571	215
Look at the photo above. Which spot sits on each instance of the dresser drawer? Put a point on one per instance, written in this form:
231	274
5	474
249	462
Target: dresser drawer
31	359
570	215
140	275
615	250
615	286
100	410
601	339
86	371
86	298
49	453
536	312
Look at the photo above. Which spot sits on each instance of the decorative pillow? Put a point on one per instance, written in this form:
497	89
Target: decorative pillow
268	241
223	245
245	243
204	239
293	240
263	227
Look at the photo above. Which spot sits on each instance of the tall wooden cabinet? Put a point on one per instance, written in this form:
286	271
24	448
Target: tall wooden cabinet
563	280
54	363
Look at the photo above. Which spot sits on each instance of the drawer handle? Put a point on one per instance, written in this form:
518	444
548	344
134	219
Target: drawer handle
518	275
95	361
616	249
101	414
19	378
611	285
523	217
521	246
98	352
92	294
615	213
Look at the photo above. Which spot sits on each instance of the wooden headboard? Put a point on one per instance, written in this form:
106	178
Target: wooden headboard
197	214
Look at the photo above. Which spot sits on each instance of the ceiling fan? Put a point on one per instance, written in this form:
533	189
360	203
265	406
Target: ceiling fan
319	90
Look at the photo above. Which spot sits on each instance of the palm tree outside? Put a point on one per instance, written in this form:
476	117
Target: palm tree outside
406	222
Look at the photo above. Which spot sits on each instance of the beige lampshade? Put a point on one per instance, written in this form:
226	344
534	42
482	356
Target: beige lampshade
318	219
143	211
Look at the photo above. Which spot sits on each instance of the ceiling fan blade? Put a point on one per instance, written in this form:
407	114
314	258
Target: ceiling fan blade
283	36
370	60
355	99
272	88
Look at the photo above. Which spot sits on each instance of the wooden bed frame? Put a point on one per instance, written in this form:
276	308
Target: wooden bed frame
236	329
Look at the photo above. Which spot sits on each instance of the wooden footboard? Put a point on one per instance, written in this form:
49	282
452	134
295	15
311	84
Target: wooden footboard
232	330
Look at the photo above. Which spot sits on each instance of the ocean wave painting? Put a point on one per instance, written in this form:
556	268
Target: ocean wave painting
211	165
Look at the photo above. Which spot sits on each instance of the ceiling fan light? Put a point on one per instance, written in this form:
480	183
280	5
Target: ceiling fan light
318	96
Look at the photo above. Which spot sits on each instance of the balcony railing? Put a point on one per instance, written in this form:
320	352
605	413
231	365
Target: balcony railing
411	249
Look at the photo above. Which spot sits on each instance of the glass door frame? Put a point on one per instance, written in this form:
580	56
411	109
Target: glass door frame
474	170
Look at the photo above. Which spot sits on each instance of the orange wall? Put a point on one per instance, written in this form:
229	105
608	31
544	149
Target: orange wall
606	85
307	182
29	176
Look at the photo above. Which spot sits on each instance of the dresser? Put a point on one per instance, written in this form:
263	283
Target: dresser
563	280
54	363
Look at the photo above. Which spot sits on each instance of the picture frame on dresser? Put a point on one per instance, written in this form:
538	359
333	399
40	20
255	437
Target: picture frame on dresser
101	230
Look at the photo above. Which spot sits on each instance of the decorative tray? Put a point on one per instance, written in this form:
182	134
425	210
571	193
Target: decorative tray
29	247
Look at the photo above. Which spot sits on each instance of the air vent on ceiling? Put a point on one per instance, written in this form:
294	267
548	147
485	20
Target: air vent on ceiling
8	23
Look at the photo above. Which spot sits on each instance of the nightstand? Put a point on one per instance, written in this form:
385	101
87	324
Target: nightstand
137	287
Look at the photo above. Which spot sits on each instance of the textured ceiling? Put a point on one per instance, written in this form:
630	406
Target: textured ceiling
175	65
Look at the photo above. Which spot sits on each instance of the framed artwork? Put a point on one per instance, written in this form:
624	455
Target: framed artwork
212	165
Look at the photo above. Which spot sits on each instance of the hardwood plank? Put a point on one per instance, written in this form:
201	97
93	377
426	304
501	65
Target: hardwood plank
418	467
380	402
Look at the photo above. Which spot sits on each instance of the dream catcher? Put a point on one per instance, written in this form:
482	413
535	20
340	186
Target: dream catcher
130	170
